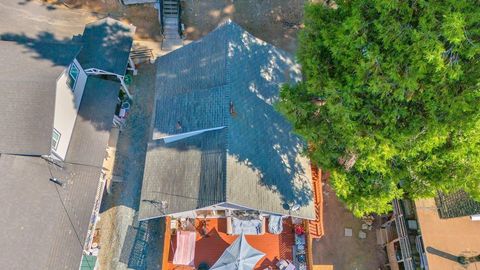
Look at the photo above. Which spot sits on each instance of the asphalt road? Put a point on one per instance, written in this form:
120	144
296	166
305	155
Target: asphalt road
33	18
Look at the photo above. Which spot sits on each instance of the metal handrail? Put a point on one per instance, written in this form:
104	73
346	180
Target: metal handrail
403	236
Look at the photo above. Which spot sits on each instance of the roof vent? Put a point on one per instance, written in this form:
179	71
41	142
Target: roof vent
56	181
232	109
178	126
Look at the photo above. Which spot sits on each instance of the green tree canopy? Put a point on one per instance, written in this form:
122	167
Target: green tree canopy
390	101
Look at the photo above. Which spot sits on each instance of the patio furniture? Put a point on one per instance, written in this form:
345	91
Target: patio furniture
237	226
299	252
203	266
285	265
185	252
299	229
238	256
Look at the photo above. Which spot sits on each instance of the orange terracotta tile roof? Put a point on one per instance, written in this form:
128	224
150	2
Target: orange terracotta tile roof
209	249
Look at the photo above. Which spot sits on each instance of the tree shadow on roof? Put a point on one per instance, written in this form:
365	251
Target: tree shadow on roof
231	65
274	150
60	52
106	45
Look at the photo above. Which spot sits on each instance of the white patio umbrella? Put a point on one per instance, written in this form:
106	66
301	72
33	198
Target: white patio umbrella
238	256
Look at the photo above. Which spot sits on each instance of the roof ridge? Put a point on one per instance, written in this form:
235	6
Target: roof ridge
227	100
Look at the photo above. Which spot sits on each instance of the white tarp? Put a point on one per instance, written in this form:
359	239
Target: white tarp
248	227
238	256
185	251
275	224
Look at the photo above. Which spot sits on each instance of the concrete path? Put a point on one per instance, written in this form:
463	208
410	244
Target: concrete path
125	242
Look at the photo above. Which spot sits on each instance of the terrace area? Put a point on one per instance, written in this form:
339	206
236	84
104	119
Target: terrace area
209	248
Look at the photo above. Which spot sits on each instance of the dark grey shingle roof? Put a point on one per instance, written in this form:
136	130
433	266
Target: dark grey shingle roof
457	204
93	123
200	109
106	46
196	180
27	91
35	225
264	168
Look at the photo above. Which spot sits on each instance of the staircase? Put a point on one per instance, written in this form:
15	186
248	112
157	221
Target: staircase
170	20
315	227
140	54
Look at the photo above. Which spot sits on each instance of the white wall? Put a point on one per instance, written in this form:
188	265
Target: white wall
66	108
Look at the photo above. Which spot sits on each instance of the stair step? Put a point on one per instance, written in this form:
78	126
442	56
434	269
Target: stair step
171	44
171	32
171	20
170	17
171	35
170	29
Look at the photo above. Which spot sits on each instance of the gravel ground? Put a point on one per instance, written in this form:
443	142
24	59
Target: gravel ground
274	21
126	243
37	20
144	17
345	253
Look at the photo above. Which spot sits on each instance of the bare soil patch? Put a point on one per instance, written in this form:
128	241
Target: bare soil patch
274	21
349	253
144	17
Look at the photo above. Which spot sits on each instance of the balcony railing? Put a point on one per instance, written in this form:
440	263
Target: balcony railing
403	236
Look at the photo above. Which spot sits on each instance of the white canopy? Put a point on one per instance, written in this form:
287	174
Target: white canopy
238	256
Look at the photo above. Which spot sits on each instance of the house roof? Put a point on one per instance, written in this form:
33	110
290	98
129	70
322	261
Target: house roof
447	238
28	79
106	46
44	225
457	204
93	123
253	159
196	181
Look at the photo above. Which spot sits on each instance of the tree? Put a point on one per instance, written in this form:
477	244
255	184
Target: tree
390	99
